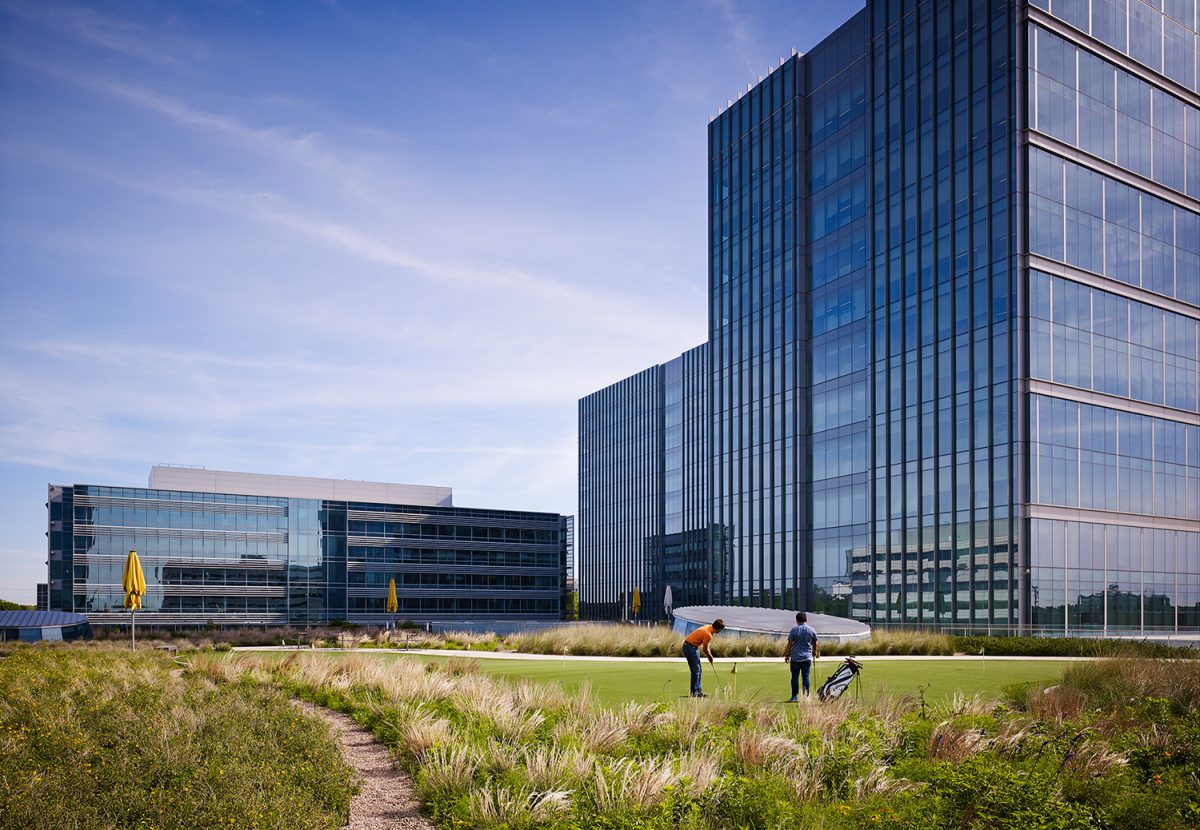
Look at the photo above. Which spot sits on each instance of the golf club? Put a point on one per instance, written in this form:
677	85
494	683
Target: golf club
720	687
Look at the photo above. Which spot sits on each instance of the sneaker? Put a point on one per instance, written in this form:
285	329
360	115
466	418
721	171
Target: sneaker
792	700
699	694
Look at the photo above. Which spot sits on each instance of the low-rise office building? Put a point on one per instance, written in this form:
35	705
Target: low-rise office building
234	548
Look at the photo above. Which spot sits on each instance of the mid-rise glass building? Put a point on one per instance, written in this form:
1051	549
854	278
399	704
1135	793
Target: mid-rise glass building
643	484
953	368
232	548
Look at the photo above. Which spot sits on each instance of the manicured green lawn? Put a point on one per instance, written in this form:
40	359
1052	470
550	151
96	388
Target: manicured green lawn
617	681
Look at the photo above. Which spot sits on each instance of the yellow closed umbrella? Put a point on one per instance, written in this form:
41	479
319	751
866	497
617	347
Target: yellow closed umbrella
134	583
392	605
637	601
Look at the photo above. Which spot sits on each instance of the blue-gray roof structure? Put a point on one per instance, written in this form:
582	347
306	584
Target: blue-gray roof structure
39	619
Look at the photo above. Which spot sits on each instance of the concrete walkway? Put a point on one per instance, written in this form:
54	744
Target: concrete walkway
514	655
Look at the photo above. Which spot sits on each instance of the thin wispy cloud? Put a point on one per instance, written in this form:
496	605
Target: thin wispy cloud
375	242
150	44
308	151
746	46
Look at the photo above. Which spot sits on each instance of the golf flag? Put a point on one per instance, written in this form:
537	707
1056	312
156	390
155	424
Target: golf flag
133	581
392	605
667	601
637	601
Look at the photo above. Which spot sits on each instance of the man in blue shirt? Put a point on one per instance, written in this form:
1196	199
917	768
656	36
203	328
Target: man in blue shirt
800	652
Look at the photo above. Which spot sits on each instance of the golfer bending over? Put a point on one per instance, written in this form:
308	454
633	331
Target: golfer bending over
800	651
699	639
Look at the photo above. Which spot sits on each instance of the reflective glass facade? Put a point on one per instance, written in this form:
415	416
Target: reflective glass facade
643	520
955	301
233	559
759	334
943	332
1113	289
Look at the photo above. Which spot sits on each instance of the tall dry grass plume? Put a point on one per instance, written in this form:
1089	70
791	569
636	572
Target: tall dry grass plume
515	806
422	735
700	768
1114	682
600	734
754	749
948	742
1057	704
448	769
630	783
610	639
548	768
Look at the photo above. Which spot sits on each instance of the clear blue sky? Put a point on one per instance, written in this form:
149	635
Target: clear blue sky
387	241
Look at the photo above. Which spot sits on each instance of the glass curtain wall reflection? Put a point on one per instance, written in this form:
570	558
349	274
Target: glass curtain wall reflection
240	559
839	238
1113	295
481	563
620	492
955	291
1160	36
759	333
681	550
643	517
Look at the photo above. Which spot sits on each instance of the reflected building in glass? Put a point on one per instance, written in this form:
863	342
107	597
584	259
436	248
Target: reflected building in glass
235	548
643	491
953	368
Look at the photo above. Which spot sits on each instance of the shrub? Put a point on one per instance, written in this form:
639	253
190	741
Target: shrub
1067	647
982	794
1116	682
608	639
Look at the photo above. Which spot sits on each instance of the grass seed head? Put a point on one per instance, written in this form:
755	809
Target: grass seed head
948	742
420	736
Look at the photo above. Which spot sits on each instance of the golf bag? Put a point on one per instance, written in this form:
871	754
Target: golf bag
840	680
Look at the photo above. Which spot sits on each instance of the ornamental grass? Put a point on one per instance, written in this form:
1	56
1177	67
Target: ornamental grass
489	752
108	738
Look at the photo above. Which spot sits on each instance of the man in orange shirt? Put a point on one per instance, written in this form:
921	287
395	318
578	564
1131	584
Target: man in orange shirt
693	643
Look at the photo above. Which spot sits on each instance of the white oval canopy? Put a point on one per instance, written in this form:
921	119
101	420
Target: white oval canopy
771	621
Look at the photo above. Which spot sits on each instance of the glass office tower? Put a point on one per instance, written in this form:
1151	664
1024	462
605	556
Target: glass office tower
1113	289
954	321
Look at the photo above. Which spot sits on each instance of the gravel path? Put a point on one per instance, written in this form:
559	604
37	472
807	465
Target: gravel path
386	800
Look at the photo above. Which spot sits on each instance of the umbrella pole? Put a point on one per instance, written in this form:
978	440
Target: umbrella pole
133	629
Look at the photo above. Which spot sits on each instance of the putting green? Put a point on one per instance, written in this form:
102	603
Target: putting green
616	681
